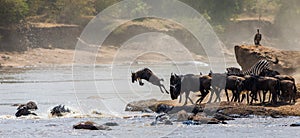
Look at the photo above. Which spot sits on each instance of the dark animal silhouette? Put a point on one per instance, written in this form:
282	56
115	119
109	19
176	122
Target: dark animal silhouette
287	77
218	83
59	110
235	84
269	73
257	38
29	105
180	84
258	83
149	76
24	111
288	91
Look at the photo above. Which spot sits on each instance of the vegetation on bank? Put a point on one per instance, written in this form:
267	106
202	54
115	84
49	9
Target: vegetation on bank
14	13
70	11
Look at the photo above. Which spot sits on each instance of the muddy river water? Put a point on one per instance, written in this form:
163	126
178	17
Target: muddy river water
107	90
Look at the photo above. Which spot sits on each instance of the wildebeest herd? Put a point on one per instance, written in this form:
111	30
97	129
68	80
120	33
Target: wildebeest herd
251	84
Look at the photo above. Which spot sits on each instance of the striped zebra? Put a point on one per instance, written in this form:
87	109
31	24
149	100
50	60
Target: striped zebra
256	69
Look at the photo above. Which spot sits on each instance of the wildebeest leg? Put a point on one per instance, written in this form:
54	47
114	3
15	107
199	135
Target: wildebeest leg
218	96
180	96
227	95
211	94
253	96
203	95
161	89
187	94
164	88
140	82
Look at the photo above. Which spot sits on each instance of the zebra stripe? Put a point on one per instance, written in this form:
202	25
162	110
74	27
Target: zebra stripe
256	69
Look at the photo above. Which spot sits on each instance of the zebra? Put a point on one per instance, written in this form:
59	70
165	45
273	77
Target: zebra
256	69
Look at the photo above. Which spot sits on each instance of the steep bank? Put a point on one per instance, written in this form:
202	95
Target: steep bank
288	63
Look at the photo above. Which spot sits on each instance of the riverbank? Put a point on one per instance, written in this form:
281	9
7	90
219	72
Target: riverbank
51	57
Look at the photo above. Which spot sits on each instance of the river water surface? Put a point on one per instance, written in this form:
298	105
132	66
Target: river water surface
107	90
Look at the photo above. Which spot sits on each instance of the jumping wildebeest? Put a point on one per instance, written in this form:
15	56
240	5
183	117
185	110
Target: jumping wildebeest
186	83
149	76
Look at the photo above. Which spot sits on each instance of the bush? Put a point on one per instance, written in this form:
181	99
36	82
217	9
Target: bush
12	11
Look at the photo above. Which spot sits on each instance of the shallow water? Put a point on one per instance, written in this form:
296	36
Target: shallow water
107	90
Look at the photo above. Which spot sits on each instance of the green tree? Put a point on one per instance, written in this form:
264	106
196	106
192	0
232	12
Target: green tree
12	11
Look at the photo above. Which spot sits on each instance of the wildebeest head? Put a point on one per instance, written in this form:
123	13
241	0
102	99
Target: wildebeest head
175	86
133	77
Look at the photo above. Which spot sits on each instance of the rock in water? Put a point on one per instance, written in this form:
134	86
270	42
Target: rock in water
295	124
182	115
142	105
288	61
111	124
90	126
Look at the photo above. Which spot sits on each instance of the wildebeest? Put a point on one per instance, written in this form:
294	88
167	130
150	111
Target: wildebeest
59	110
269	73
149	76
25	109
288	90
259	83
218	83
289	78
180	84
235	84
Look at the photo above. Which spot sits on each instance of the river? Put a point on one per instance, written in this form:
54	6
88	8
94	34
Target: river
108	91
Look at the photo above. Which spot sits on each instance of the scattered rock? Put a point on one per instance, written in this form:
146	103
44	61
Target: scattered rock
163	108
142	105
96	112
182	115
168	122
295	124
190	122
90	126
111	124
222	117
59	110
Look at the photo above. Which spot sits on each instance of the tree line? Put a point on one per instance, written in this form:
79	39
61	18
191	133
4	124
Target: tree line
217	12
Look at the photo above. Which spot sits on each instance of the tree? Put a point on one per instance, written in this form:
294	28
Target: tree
12	11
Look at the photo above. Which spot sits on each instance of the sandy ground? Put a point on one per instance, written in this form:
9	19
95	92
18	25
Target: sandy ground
40	57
